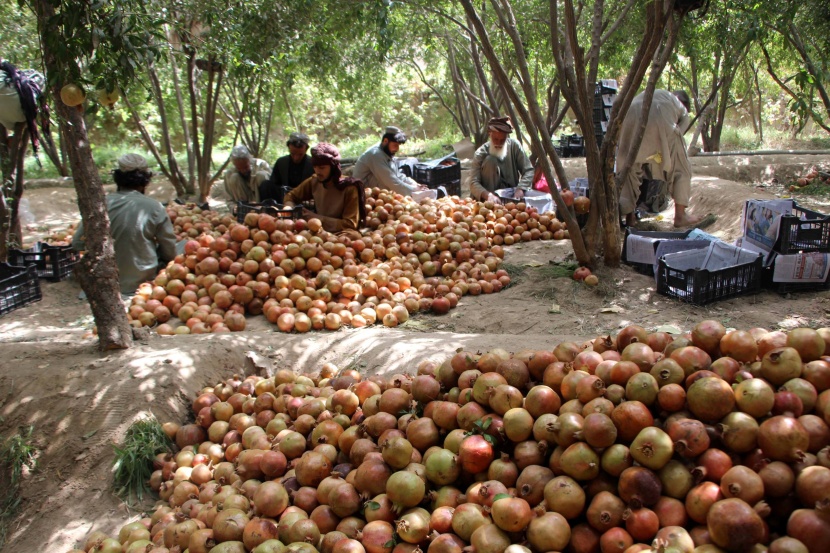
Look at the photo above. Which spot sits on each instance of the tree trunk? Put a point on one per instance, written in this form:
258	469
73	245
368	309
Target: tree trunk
819	76
53	153
97	270
459	105
188	141
530	115
151	145
12	155
176	176
760	96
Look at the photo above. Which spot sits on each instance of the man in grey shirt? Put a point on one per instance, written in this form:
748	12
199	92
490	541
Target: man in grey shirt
141	229
500	163
377	168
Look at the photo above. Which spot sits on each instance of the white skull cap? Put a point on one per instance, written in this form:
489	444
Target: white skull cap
132	162
239	152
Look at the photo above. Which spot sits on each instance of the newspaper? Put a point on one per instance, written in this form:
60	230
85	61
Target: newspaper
697	234
761	221
542	201
640	249
715	257
579	186
665	247
420	195
801	267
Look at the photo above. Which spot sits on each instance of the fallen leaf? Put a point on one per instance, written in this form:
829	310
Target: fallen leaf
668	329
612	309
532	264
554	308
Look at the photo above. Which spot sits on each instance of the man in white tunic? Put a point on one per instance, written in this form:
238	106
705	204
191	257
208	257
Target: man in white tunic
662	154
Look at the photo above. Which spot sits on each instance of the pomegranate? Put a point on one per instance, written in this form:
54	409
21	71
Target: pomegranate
734	525
783	438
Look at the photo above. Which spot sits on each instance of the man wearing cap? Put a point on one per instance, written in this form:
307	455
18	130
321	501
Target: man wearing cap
242	181
662	155
289	171
500	163
141	229
340	201
376	168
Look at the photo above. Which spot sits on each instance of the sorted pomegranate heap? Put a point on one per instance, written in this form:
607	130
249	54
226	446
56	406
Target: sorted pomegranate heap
713	441
415	257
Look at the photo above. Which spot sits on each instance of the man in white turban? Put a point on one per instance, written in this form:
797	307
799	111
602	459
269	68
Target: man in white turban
141	229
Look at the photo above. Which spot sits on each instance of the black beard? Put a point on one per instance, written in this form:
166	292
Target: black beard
386	149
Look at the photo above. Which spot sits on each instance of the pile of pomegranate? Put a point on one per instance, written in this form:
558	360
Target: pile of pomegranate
415	257
708	442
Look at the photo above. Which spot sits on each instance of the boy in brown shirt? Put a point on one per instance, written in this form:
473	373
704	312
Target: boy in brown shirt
340	202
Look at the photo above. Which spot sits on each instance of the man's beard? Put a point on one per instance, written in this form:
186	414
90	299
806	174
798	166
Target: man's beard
499	153
386	149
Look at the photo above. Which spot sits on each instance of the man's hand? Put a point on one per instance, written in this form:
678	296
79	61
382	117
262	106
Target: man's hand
518	194
490	197
308	214
422	187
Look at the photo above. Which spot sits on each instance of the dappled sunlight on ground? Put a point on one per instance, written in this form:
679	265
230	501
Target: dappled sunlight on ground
81	401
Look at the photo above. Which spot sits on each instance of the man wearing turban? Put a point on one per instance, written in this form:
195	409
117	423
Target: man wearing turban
243	179
340	201
141	229
500	163
662	154
377	168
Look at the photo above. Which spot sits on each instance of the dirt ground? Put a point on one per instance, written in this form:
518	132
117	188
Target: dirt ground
81	401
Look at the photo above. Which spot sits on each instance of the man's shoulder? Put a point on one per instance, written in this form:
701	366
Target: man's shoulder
372	151
135	198
483	149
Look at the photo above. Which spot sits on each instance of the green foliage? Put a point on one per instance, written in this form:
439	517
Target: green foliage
16	454
113	39
134	458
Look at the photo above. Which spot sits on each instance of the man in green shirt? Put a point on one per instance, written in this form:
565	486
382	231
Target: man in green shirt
141	229
377	168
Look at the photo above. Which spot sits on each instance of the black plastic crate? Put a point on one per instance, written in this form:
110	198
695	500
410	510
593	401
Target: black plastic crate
647	268
575	141
453	187
790	287
601	114
271	208
606	86
767	280
808	234
19	286
701	286
436	175
600	127
53	263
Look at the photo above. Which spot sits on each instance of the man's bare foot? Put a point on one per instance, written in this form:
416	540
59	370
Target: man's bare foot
687	221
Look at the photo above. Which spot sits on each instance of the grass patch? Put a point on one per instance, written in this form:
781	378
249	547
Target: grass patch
515	272
134	458
818	190
564	269
16	454
542	277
